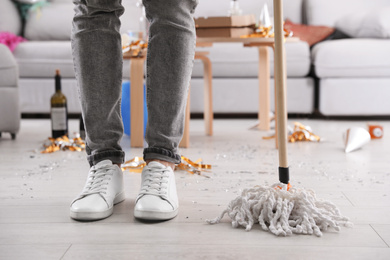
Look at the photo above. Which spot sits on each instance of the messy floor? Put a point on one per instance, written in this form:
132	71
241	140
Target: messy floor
36	190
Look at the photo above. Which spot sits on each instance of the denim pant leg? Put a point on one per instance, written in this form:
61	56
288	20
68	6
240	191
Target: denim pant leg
96	46
169	66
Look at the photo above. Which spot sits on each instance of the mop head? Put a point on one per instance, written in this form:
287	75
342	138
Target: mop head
283	211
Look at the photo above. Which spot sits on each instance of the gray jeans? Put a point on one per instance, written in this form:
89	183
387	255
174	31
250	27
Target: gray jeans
97	54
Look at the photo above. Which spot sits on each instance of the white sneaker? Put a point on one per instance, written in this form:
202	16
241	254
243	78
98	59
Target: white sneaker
157	199
103	189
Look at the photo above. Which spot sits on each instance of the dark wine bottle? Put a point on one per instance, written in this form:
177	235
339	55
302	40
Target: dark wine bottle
59	110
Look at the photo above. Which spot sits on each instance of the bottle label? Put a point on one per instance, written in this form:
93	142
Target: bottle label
58	118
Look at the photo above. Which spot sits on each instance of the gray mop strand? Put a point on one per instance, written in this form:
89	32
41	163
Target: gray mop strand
283	212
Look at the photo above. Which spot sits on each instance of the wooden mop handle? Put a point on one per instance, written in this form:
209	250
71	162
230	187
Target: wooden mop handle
280	81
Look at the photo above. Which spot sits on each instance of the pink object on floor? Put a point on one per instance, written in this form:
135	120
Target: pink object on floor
11	40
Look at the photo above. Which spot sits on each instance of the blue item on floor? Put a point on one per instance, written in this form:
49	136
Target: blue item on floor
125	107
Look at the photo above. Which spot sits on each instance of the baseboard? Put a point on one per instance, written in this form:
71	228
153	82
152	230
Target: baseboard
46	116
314	115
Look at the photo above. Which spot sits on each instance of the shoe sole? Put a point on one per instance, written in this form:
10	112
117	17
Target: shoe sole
90	216
155	215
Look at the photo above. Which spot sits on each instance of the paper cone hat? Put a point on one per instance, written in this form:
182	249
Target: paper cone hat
265	19
355	138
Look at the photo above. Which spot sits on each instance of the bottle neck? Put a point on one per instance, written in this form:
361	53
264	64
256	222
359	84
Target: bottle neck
58	83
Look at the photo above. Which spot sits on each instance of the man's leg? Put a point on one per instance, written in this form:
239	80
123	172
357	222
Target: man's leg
96	45
169	66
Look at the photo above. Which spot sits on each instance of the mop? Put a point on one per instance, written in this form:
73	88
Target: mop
281	208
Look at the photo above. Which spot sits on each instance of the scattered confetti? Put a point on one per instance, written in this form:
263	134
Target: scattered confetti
137	164
63	143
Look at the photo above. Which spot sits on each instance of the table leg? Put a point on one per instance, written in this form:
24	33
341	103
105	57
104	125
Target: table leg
185	141
208	95
264	92
137	102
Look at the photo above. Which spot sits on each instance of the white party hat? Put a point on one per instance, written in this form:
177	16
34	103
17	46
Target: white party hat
265	19
355	138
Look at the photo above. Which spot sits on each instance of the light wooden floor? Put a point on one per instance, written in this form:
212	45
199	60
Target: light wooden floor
36	191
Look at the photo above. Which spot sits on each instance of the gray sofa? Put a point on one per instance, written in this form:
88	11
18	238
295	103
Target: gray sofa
350	83
354	73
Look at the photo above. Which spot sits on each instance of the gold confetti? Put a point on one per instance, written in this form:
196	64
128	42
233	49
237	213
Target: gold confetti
134	165
136	49
300	133
137	164
266	32
64	143
193	167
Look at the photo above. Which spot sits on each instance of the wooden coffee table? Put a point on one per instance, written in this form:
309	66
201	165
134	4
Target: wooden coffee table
137	90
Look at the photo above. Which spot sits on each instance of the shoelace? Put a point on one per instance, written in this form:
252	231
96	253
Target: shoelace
155	182
98	179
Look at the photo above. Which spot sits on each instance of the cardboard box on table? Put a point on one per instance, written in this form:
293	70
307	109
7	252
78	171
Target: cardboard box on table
225	26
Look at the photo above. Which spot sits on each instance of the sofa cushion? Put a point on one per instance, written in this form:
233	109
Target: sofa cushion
40	59
367	24
9	17
354	96
45	23
352	58
232	60
239	95
321	12
311	34
292	9
50	22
